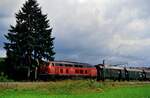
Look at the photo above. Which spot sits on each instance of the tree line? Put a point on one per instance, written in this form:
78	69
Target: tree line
29	42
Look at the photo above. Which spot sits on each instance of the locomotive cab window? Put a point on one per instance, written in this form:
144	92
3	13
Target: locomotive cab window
68	65
52	64
60	64
80	65
76	65
56	64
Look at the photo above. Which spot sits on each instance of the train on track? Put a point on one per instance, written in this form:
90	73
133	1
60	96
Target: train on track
67	69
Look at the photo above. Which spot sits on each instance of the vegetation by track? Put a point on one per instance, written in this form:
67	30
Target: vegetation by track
75	89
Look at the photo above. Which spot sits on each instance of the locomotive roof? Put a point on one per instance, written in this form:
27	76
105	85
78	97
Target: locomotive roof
72	63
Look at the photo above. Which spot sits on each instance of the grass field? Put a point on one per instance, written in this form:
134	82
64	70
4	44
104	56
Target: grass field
75	89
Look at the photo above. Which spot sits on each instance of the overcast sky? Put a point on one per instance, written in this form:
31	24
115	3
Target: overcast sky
91	30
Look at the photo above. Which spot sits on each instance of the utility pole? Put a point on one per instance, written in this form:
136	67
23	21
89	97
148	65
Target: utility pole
104	62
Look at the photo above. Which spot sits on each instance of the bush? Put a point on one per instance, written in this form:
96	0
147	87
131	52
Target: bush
4	78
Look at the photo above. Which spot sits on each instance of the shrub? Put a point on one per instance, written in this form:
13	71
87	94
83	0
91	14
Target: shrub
4	78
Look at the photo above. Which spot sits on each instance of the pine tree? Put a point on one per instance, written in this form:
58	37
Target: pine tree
30	39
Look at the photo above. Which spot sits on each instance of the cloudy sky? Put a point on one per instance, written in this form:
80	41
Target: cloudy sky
91	30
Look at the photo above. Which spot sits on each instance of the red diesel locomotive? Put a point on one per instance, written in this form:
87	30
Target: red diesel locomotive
66	69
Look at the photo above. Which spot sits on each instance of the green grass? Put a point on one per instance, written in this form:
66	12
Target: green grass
75	89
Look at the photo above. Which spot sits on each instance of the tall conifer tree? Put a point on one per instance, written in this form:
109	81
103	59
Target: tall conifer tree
30	39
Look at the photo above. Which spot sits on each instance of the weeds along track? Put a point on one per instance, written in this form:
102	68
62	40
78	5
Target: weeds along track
29	85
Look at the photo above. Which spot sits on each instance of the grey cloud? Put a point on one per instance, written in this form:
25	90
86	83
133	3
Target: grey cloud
92	30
